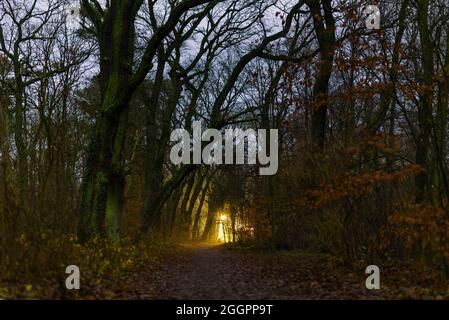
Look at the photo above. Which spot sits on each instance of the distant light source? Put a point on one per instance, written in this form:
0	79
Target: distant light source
221	228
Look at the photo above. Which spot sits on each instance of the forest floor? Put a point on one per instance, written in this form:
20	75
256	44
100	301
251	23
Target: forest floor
228	272
220	272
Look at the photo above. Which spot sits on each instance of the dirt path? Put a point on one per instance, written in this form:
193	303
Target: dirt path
216	273
212	273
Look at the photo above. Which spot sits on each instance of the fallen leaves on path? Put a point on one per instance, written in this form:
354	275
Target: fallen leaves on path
217	273
213	272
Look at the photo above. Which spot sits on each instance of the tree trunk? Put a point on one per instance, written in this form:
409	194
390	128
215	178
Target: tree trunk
422	183
326	40
196	231
104	182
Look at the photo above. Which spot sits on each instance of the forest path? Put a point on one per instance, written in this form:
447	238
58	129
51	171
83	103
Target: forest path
215	272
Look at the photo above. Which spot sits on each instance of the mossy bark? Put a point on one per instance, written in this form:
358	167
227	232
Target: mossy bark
104	181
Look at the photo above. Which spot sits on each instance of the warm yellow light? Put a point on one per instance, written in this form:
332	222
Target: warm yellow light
221	228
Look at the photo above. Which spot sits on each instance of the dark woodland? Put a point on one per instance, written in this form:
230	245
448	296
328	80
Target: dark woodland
91	91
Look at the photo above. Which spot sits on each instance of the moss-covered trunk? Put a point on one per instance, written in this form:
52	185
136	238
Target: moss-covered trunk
104	181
